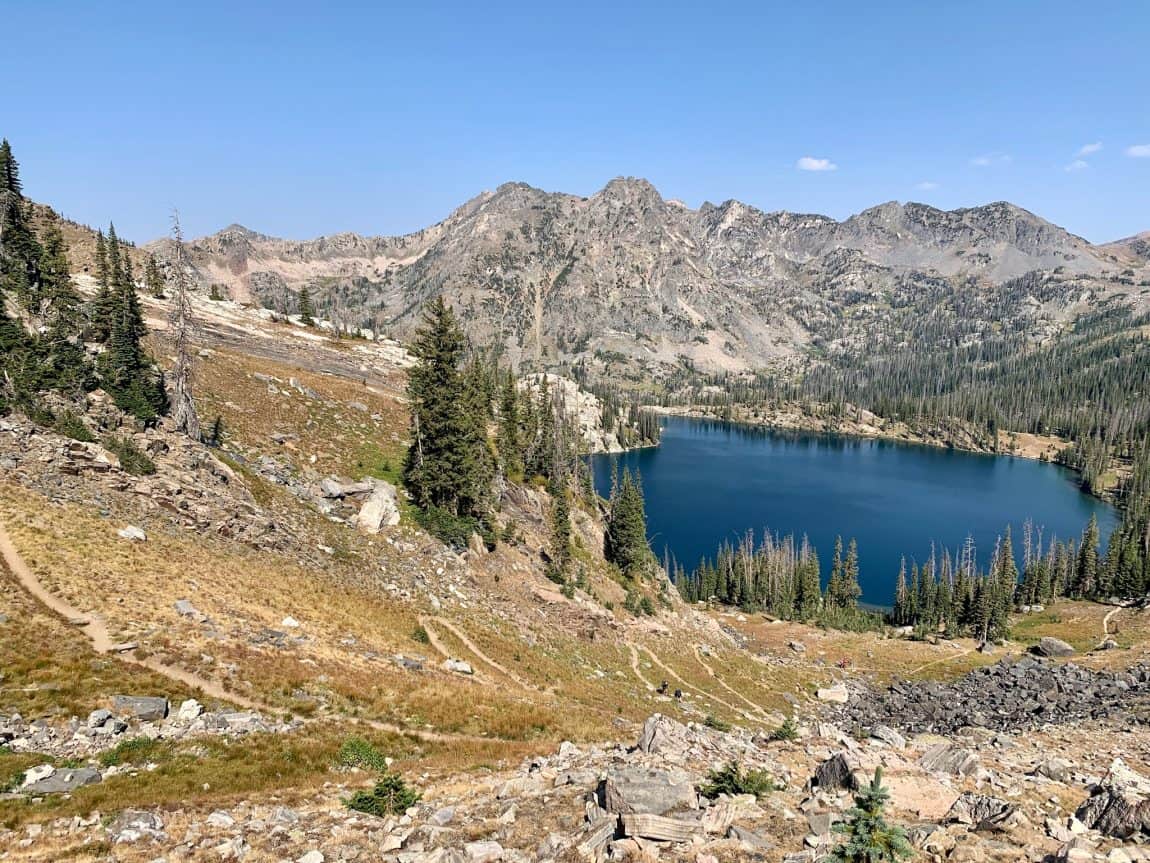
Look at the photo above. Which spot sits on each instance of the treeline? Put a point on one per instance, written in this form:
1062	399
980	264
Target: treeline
474	428
781	577
950	593
51	341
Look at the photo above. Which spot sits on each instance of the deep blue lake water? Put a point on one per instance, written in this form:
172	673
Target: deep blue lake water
709	481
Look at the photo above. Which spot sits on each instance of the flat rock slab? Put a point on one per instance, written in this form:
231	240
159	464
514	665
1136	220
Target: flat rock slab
653	792
64	781
660	828
146	707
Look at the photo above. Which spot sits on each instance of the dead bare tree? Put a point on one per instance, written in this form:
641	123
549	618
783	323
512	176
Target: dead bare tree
181	326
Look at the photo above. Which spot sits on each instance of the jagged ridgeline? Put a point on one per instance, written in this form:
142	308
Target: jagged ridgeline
55	347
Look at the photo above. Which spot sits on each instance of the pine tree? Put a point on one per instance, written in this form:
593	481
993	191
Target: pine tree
900	613
1086	568
306	309
850	580
560	529
627	544
835	583
152	278
66	366
20	253
510	437
868	837
435	471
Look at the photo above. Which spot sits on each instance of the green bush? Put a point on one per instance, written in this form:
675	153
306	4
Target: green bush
132	459
715	722
70	425
390	796
453	530
419	635
135	750
357	752
789	730
733	780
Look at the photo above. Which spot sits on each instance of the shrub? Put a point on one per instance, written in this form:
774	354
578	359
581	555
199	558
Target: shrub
715	722
357	752
132	459
390	796
869	839
70	425
789	730
452	530
420	636
733	780
135	750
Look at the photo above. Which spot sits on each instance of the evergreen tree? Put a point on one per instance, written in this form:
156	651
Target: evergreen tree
510	436
306	309
835	583
900	613
20	253
627	543
436	469
181	324
152	278
1086	567
868	837
560	530
66	366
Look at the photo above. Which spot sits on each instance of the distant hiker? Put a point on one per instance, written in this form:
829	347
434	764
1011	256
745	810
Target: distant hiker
662	690
678	695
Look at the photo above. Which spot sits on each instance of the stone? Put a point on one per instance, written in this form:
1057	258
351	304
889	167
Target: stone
442	817
483	852
886	734
661	735
98	717
312	856
979	811
1056	769
36	774
289	622
145	707
133	533
381	509
950	759
184	608
754	841
64	781
189	711
1053	647
660	828
837	694
1119	805
649	791
134	825
221	819
843	771
458	666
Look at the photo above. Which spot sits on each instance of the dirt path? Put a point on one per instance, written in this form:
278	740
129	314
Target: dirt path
711	673
1106	621
473	647
672	673
940	661
635	666
96	630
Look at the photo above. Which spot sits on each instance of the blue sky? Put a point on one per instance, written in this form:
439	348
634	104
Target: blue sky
300	119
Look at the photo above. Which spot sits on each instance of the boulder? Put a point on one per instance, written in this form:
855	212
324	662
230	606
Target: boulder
1056	769
837	694
842	771
661	735
1053	647
133	825
886	734
458	666
648	791
381	509
189	711
1119	805
184	608
979	811
144	707
64	781
133	533
660	828
950	759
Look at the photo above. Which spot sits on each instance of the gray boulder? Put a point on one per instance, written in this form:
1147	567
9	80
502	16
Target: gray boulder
148	708
1119	805
651	792
979	811
381	509
950	759
64	781
133	826
1053	647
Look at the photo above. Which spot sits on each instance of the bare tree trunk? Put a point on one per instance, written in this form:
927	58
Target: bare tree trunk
182	325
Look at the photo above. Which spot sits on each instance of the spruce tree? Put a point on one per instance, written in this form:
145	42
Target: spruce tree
306	309
868	837
835	583
20	253
510	435
152	278
627	544
435	471
66	366
1086	567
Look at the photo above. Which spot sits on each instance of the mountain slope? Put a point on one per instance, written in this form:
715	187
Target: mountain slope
550	277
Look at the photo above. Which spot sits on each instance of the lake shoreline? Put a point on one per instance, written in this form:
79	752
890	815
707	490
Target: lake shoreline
870	426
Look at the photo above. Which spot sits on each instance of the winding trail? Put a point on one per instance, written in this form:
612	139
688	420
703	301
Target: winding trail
475	649
711	673
672	673
1106	621
96	630
635	666
940	661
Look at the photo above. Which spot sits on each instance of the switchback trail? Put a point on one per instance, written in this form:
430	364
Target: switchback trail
711	673
96	630
475	649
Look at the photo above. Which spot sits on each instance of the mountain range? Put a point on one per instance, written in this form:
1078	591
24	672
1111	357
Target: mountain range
628	276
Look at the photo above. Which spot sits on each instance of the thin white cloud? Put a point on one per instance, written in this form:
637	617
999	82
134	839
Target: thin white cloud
1088	149
989	159
1139	151
1077	165
810	163
926	186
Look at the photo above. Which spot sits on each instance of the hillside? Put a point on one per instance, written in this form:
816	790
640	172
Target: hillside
552	278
